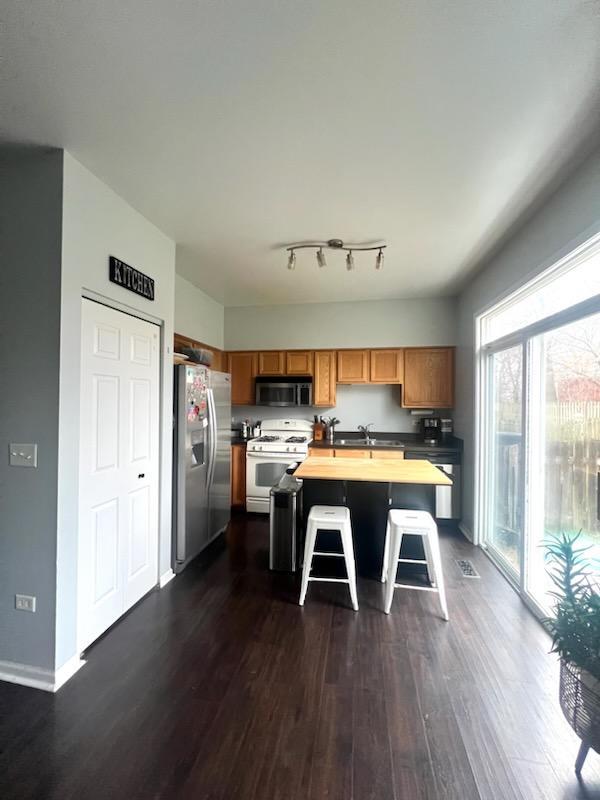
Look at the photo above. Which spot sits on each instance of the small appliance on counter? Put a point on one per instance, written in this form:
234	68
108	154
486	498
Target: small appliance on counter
431	430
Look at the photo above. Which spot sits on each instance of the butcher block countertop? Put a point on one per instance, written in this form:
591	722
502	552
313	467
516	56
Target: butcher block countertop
376	470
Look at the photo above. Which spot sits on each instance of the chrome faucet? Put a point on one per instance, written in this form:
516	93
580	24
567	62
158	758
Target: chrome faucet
364	429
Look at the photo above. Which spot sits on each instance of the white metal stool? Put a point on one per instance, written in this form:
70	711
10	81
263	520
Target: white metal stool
416	523
334	518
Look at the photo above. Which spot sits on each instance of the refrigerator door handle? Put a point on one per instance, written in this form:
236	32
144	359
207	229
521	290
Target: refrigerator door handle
212	418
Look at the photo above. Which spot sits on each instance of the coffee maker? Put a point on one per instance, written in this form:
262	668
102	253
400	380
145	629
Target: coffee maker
431	430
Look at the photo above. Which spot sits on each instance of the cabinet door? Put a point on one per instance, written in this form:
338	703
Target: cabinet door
271	362
352	453
387	366
428	377
243	368
396	454
299	362
322	452
238	475
353	366
324	378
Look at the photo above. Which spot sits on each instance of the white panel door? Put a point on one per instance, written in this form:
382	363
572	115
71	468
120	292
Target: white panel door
119	462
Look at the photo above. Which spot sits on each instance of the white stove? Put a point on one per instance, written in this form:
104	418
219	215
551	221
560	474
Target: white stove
281	443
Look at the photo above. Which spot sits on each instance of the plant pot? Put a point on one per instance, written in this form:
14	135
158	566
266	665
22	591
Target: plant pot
580	703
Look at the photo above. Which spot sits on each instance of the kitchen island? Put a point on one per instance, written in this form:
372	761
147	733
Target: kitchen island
370	487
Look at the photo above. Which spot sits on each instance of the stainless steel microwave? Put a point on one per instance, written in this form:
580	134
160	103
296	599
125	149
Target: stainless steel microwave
284	391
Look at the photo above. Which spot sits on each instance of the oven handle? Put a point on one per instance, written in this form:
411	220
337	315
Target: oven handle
277	456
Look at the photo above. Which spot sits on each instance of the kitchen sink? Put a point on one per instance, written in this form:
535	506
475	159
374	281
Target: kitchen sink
371	443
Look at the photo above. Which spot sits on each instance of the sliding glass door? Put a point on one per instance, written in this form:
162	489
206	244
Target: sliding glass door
564	423
506	450
539	422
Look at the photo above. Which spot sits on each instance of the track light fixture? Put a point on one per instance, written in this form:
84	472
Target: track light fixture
335	244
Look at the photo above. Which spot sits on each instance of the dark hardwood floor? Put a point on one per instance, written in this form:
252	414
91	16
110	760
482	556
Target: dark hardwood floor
220	686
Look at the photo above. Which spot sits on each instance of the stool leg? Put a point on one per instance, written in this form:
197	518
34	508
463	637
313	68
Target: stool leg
434	546
346	534
393	555
386	553
309	546
581	757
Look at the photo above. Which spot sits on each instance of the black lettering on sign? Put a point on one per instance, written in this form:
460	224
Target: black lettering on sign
129	278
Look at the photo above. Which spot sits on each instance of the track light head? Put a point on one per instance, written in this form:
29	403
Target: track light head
321	260
292	260
379	260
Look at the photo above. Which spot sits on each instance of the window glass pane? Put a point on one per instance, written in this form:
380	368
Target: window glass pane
505	526
546	297
565	444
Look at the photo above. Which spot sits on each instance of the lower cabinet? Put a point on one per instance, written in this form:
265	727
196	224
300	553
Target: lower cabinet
346	452
323	452
238	475
352	453
388	454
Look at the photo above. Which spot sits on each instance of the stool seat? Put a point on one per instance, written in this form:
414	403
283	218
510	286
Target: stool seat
331	518
414	523
326	514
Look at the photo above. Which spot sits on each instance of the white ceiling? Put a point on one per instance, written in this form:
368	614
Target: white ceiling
239	127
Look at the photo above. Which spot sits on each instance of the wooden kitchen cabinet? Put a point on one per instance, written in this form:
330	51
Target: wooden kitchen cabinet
299	362
323	452
218	360
324	379
238	475
386	366
353	366
343	453
243	368
271	362
428	377
388	454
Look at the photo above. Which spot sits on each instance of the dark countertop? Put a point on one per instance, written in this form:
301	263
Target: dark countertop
411	441
235	439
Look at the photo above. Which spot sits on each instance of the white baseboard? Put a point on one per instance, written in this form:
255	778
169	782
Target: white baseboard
47	680
166	577
465	531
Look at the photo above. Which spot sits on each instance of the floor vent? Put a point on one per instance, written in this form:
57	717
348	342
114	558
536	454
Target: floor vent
467	568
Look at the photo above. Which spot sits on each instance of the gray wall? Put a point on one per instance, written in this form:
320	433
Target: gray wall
376	323
570	217
197	315
30	220
356	405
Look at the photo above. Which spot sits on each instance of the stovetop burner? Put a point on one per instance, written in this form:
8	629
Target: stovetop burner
267	439
296	439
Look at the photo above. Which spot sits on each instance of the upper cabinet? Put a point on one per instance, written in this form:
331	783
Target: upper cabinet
353	366
324	378
299	362
218	356
428	377
271	362
387	366
243	368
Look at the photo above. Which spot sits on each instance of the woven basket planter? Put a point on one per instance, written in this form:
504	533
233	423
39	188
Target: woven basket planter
580	702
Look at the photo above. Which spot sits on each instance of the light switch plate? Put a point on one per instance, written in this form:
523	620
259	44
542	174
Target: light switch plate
25	602
22	455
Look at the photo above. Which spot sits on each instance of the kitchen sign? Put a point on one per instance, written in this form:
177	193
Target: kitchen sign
129	278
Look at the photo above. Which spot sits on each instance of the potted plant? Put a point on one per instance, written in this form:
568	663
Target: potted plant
575	631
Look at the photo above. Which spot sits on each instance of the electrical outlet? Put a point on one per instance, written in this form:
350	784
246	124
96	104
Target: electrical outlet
24	602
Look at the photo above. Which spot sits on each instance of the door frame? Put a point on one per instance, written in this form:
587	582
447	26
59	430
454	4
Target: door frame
123	308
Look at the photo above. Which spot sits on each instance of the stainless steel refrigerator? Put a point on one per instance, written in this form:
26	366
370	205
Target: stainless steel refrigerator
201	460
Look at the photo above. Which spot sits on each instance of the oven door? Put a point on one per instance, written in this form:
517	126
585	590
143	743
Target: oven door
262	473
276	394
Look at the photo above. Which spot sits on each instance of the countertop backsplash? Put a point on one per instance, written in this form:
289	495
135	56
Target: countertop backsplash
356	405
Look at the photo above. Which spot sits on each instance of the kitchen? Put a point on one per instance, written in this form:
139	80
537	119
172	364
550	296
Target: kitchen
397	394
